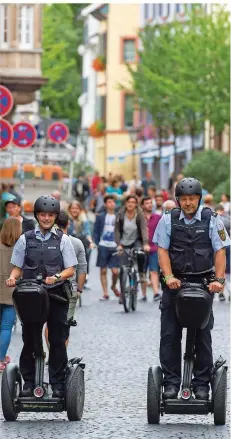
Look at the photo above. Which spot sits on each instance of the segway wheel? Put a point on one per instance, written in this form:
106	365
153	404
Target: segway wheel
219	402
8	406
153	397
75	396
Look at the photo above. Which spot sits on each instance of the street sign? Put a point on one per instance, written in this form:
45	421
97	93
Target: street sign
58	132
6	101
6	133
5	160
23	157
24	135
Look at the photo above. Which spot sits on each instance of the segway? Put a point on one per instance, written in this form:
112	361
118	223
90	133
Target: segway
31	301
193	308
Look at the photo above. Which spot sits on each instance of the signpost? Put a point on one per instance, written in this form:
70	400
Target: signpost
58	132
24	134
6	101
6	133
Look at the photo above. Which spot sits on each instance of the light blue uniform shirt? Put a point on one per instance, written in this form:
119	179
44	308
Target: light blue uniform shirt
163	231
66	248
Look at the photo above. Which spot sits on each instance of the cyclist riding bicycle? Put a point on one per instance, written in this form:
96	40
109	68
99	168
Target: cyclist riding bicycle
131	232
49	253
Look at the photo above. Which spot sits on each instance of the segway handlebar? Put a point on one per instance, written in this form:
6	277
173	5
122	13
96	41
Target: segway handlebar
39	280
201	285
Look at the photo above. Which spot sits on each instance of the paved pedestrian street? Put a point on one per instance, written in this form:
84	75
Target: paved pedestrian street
118	349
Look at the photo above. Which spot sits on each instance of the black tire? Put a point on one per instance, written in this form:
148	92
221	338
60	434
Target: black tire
125	289
8	407
153	399
75	396
219	402
134	292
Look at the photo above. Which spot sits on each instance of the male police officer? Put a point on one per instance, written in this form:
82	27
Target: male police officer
191	240
45	251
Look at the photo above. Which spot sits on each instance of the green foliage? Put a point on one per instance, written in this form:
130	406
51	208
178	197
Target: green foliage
211	167
182	78
222	188
61	64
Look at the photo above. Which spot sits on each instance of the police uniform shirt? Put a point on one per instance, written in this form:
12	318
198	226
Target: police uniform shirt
217	232
66	248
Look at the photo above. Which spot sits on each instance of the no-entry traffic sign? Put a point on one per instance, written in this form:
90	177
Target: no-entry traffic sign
6	101
6	133
24	134
58	132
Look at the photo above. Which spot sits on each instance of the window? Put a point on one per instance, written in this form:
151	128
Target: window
128	110
153	11
84	85
26	27
4	26
102	48
129	50
85	32
146	10
100	111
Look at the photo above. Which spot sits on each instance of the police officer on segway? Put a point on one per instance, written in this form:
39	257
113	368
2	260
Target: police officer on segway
191	247
47	252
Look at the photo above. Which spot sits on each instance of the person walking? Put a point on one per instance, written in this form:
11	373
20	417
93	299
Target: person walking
104	238
152	257
10	233
14	209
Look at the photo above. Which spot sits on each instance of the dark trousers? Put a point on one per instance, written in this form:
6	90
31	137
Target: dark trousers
170	345
58	332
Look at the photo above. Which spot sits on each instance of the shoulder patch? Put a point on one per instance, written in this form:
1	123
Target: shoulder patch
222	234
214	213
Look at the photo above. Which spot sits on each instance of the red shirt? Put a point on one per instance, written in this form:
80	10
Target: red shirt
152	224
95	181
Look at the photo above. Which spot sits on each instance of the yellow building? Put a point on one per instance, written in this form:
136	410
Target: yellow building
118	41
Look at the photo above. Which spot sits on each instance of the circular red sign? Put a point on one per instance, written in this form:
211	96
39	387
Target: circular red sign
6	101
6	133
24	134
58	132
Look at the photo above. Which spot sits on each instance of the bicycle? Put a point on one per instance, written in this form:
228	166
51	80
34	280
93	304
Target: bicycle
128	280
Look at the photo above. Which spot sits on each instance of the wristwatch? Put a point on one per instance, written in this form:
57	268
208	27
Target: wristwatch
221	280
57	277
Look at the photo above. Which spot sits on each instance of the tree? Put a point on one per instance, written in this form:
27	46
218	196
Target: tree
177	73
61	64
211	167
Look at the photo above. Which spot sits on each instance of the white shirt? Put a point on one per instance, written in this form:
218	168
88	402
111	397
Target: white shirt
108	236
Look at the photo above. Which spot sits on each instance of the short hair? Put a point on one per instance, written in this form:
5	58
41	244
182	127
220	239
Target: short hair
11	231
152	188
145	199
108	197
62	219
139	192
129	197
219	207
159	194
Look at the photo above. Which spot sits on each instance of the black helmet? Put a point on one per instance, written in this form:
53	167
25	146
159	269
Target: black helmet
188	186
46	203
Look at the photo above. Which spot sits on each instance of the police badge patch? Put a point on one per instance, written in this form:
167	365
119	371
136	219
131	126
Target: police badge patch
221	234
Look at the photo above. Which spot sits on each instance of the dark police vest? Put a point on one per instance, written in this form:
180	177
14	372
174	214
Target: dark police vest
191	250
43	257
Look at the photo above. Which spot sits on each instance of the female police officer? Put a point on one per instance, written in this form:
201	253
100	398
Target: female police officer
45	251
191	240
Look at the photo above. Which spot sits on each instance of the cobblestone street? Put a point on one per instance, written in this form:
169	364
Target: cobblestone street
118	349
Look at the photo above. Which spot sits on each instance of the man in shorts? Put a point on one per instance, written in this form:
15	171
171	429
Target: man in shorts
104	237
152	258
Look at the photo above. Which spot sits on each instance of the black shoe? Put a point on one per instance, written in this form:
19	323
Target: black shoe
156	297
27	390
143	299
57	393
221	297
170	392
201	393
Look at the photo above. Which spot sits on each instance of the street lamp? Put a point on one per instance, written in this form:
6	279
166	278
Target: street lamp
133	137
83	140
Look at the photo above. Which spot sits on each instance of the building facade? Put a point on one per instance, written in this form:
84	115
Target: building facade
115	42
20	51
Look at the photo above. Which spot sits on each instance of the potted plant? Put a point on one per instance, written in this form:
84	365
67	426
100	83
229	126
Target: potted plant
96	129
99	64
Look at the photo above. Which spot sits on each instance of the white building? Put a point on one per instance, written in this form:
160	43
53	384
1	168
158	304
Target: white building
87	100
